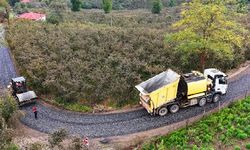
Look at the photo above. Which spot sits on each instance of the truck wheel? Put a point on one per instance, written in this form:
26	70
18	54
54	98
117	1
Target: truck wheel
163	111
216	98
174	108
202	101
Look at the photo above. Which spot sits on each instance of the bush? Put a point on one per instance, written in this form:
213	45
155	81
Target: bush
11	146
172	3
107	5
236	148
76	5
54	18
35	146
20	8
86	5
57	137
76	144
157	6
8	106
242	136
248	146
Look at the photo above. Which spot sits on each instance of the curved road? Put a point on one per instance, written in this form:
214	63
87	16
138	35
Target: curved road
104	125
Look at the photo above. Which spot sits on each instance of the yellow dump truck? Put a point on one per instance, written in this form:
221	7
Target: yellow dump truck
169	91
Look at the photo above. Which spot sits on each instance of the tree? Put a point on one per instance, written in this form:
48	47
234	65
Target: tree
242	6
157	6
55	18
58	5
107	5
20	8
6	6
76	5
172	3
13	2
206	30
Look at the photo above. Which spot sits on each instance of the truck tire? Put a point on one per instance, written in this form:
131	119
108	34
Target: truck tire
216	97
202	101
174	108
162	111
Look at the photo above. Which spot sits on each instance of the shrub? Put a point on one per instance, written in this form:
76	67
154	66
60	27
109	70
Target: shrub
237	148
157	6
35	146
107	5
248	146
242	136
57	137
54	18
76	144
86	5
76	5
11	146
172	3
20	8
8	106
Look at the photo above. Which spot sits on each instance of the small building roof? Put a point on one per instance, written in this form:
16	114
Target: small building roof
25	1
32	16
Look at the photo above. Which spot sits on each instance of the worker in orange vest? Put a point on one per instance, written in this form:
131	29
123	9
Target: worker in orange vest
34	109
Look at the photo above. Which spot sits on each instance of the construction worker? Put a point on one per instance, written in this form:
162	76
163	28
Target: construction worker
34	109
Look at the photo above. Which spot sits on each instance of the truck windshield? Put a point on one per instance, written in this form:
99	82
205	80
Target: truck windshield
223	80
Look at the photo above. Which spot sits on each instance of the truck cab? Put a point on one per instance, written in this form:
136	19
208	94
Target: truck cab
219	80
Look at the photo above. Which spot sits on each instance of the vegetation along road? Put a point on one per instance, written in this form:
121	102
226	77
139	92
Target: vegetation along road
104	125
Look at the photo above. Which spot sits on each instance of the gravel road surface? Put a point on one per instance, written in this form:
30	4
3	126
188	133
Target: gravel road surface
105	125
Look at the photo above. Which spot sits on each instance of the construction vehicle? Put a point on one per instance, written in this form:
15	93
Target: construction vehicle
169	91
20	91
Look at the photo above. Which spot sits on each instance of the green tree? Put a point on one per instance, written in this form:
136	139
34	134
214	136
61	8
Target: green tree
76	5
54	18
6	6
107	5
13	2
242	6
8	107
172	3
157	6
206	30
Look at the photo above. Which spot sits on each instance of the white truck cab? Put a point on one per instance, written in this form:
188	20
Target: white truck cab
219	80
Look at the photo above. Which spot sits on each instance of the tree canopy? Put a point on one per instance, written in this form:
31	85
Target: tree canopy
207	30
76	5
157	6
107	5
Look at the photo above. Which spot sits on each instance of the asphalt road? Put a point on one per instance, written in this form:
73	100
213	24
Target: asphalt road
7	69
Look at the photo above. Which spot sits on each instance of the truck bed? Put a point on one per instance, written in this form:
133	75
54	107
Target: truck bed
158	81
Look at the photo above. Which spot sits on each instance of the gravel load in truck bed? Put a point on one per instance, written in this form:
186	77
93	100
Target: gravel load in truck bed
104	125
